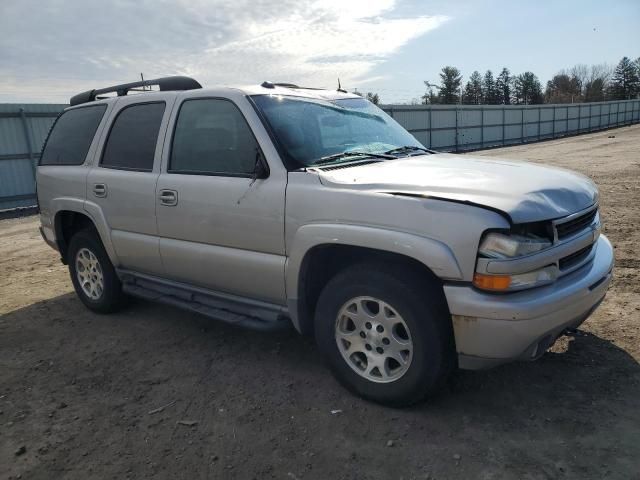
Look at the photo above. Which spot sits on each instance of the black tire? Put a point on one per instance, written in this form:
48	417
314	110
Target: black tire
111	297
421	305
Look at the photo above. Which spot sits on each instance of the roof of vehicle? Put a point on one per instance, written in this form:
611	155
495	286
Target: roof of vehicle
183	84
268	88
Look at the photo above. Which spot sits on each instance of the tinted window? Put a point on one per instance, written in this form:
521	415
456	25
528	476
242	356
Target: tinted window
132	141
71	136
212	136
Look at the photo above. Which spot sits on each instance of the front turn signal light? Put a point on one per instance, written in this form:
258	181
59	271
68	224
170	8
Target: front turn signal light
519	281
492	282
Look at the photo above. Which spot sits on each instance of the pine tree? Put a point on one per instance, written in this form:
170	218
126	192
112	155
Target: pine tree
473	89
373	98
527	89
430	98
625	82
490	89
503	87
450	81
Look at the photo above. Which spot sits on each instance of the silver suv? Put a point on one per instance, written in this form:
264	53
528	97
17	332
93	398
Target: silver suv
275	204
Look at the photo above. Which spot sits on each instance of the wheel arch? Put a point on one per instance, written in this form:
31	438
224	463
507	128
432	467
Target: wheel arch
69	219
319	252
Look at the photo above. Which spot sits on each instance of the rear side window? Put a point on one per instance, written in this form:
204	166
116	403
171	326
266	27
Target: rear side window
71	136
213	138
131	144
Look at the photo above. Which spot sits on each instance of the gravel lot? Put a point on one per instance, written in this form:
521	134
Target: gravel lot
157	392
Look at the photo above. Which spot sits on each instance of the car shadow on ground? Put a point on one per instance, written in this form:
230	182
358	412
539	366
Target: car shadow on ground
115	369
589	367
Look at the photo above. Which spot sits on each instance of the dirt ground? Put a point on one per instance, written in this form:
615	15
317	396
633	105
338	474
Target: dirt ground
88	396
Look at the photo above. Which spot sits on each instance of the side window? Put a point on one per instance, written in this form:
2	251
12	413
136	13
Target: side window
131	144
71	137
212	137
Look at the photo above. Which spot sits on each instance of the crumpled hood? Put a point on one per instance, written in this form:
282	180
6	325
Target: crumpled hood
526	192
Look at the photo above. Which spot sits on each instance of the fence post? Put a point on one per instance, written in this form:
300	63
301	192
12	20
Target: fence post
27	137
539	122
600	116
553	129
481	127
457	141
522	125
430	126
503	127
566	130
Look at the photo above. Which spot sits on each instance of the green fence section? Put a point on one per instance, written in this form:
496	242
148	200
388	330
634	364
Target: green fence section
23	130
470	127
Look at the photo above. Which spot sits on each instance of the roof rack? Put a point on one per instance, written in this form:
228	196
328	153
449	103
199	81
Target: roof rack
286	85
165	84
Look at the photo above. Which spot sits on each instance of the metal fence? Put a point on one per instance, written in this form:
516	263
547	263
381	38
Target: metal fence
23	129
469	127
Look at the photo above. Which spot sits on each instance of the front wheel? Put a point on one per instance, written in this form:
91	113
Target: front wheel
385	333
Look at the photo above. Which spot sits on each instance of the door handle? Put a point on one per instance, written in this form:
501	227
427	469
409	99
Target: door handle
168	198
100	190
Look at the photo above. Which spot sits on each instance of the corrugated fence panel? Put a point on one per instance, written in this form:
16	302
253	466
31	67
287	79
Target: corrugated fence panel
23	130
469	127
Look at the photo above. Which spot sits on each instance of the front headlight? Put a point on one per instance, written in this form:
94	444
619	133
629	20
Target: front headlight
508	247
500	245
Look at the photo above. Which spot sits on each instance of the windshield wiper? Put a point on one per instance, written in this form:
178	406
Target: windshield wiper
407	148
338	156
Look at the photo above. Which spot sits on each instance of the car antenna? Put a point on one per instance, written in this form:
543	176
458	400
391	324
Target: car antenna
340	87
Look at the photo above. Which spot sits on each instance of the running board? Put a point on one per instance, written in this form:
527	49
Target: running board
250	314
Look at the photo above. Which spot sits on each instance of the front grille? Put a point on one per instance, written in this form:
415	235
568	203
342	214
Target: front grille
575	225
575	258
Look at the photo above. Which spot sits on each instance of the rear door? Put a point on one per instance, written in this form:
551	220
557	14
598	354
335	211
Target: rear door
122	184
219	228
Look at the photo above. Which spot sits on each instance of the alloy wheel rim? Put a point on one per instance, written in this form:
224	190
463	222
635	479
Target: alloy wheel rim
374	339
89	274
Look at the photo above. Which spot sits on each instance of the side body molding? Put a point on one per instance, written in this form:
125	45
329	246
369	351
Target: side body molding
432	253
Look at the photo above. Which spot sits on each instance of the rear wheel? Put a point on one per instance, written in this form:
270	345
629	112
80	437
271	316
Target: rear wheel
93	276
385	333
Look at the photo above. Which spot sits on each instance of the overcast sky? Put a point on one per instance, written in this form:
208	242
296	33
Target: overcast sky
52	49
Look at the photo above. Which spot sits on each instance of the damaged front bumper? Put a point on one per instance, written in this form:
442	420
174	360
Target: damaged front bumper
491	329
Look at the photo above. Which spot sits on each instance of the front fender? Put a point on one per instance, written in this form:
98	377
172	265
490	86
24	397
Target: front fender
432	253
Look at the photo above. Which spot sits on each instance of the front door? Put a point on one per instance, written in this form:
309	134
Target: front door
219	228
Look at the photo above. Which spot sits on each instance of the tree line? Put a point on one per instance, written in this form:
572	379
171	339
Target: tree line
581	83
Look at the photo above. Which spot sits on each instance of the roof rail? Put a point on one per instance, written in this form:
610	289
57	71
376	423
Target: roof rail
165	83
268	84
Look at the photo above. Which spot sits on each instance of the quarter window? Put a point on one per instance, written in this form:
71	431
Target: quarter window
132	140
212	137
71	137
